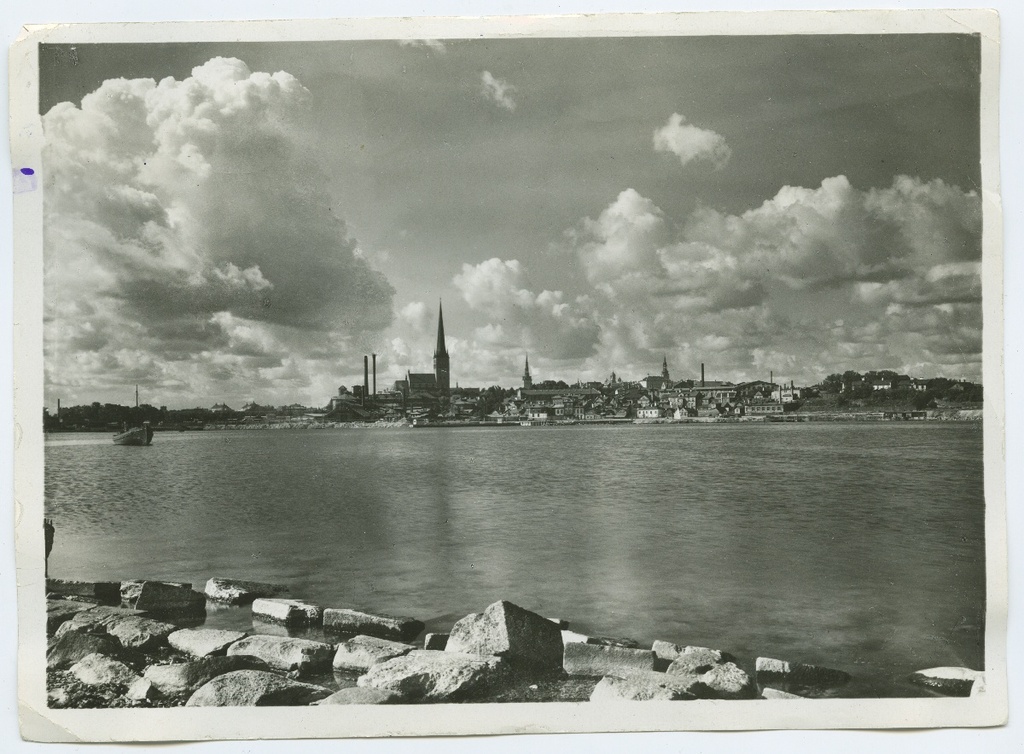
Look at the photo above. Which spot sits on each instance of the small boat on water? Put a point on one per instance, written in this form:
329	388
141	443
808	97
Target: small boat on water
141	435
135	435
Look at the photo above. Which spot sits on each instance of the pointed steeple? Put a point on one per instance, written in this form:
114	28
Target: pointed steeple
527	379
664	368
440	349
442	364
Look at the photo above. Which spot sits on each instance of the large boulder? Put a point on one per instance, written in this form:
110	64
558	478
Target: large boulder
130	627
186	677
597	660
97	669
66	650
204	642
637	688
255	688
362	652
284	653
102	592
505	630
797	676
287	612
431	676
950	681
162	597
721	681
236	592
344	620
58	611
361	695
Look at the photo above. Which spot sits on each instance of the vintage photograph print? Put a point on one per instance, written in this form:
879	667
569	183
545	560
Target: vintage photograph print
505	368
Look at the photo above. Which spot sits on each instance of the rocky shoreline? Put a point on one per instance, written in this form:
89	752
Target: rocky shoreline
141	643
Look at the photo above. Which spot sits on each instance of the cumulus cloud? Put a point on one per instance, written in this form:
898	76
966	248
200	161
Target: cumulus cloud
497	90
517	318
691	143
745	290
183	222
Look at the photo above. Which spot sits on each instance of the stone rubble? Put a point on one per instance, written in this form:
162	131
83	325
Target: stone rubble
236	592
345	620
288	612
363	652
100	655
203	642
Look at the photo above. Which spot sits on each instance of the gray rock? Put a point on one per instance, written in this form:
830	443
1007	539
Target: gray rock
435	641
362	652
96	669
951	681
58	697
724	681
598	660
103	592
283	653
58	611
141	690
772	671
573	637
162	597
636	689
66	650
344	620
428	675
203	642
235	592
255	688
130	627
667	651
288	612
361	695
186	677
693	659
770	693
505	630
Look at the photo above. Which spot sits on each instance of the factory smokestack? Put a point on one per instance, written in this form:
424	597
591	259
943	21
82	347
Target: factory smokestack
374	375
702	374
366	377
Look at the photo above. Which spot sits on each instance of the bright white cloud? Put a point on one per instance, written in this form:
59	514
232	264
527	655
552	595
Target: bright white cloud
497	90
183	224
691	143
721	287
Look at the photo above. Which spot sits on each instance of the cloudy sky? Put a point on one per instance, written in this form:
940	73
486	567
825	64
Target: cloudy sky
226	222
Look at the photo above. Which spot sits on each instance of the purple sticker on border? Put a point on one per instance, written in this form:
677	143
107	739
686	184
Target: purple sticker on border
24	180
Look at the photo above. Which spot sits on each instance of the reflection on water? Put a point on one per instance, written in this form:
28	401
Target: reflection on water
859	546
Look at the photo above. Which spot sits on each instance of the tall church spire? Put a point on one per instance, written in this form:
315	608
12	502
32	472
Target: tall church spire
442	365
527	379
440	349
664	368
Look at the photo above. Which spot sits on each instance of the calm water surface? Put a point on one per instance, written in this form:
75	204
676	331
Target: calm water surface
858	546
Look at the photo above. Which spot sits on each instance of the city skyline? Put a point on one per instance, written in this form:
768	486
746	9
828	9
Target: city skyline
243	221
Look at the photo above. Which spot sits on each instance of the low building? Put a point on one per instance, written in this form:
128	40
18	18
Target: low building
763	409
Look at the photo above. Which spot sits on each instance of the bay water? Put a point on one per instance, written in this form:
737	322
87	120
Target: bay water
858	546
